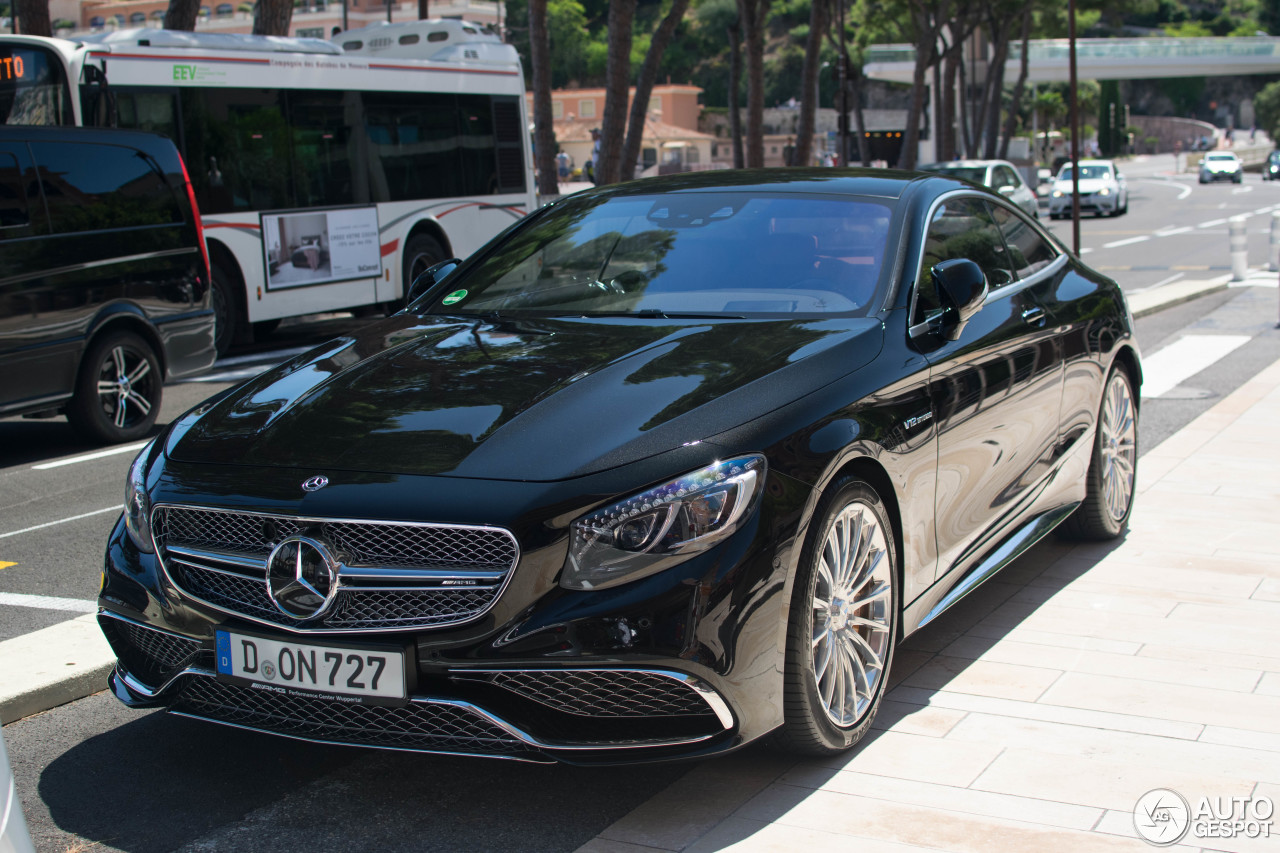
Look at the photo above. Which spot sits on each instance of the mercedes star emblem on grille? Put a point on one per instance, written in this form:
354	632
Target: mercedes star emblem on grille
302	577
315	484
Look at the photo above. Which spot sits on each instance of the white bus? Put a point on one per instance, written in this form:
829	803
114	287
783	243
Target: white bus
329	174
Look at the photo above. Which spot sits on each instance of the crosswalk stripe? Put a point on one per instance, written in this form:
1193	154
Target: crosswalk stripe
48	602
1170	367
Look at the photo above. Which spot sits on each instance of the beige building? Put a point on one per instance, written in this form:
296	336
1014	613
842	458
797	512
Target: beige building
672	141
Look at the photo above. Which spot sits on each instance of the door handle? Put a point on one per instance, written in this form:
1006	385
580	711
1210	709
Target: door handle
1034	316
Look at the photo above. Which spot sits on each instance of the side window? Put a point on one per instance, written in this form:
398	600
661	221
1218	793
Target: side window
411	146
95	187
1006	177
13	200
321	147
1028	251
239	148
960	228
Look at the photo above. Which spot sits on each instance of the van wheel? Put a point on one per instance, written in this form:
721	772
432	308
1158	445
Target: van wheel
843	623
420	253
118	392
225	313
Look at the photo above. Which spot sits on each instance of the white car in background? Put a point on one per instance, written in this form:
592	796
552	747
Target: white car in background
14	837
1103	190
1001	175
1221	166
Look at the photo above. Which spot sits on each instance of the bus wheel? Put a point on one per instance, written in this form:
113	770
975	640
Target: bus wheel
118	391
420	252
225	313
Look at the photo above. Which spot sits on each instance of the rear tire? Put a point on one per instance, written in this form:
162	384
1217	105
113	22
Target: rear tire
420	252
843	623
118	390
1112	474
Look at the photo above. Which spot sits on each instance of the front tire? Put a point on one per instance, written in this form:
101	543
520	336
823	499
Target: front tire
420	253
843	623
226	314
1113	467
118	390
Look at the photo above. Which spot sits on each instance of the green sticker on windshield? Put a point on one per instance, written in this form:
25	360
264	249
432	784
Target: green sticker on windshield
456	296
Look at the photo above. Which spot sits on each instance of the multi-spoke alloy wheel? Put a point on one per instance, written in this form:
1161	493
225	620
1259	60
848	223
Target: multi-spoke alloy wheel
843	622
118	394
1113	469
851	617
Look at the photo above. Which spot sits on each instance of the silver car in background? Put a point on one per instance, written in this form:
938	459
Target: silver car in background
1221	166
1103	190
1001	175
14	837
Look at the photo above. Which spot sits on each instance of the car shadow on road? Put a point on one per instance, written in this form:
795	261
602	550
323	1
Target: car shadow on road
148	782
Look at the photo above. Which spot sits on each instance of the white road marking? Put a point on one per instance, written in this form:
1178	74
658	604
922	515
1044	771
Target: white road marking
1170	280
1173	365
1262	210
1086	251
1241	190
1144	238
1186	191
59	521
1211	223
231	375
71	460
1183	230
48	602
276	355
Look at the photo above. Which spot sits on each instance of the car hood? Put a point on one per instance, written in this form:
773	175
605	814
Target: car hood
1087	185
525	400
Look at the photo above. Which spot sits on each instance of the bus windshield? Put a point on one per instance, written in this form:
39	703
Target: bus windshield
33	87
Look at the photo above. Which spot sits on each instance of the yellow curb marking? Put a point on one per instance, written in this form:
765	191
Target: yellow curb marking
4	565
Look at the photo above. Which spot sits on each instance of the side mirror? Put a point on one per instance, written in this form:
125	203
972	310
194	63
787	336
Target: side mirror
963	289
430	277
1006	190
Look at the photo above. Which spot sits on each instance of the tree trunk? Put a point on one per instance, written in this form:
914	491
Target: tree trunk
1015	104
644	88
753	14
966	129
33	17
809	91
947	147
856	82
735	92
1000	32
272	17
544	137
617	84
181	15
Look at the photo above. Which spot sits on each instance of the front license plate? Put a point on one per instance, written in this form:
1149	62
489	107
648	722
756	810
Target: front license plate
335	672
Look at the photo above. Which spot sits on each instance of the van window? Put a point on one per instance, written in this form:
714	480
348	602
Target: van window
13	202
92	187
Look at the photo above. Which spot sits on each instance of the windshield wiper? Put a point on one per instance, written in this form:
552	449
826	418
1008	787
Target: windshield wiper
651	313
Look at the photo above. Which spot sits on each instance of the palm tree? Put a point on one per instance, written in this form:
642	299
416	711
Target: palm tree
754	15
181	15
272	17
644	87
33	17
544	138
622	14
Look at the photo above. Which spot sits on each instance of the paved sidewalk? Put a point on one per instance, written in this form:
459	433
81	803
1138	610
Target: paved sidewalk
1033	716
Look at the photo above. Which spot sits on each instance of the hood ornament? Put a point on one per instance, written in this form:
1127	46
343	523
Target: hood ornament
315	484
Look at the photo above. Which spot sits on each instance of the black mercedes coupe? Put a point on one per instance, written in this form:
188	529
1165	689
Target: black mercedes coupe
667	467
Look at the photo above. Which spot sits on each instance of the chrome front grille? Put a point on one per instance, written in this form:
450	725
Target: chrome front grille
392	575
416	726
605	693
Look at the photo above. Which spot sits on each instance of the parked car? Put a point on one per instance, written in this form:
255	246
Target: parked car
1001	175
104	280
1221	166
14	837
669	466
1103	190
1271	169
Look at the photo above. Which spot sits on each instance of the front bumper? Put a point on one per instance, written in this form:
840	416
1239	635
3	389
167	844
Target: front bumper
1209	177
680	664
1089	202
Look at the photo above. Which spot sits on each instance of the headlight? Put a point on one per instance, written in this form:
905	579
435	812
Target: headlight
1057	193
1105	191
662	526
137	504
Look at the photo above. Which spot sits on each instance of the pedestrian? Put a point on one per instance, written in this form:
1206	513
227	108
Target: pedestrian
562	165
595	153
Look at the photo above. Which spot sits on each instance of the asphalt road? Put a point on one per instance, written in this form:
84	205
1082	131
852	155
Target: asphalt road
93	773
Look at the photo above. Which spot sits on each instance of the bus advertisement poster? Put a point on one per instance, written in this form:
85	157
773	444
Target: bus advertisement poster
318	247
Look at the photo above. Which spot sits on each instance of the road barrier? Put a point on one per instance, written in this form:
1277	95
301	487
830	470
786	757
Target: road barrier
1238	229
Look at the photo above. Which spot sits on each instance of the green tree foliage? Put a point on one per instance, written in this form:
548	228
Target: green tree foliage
1266	106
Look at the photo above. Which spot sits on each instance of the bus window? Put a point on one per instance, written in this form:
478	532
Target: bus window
412	142
150	111
321	125
33	87
238	149
479	163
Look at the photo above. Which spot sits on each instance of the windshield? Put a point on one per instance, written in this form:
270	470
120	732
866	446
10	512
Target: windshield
33	87
1229	158
702	253
976	174
1086	173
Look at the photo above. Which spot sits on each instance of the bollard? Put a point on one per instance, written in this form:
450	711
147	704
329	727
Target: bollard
1238	229
1273	261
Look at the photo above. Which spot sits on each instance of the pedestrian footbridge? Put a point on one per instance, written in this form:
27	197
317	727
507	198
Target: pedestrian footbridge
1109	59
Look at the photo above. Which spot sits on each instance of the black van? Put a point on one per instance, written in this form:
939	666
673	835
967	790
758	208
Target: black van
104	277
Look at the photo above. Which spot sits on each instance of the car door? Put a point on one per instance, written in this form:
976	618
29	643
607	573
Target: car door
996	389
23	303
